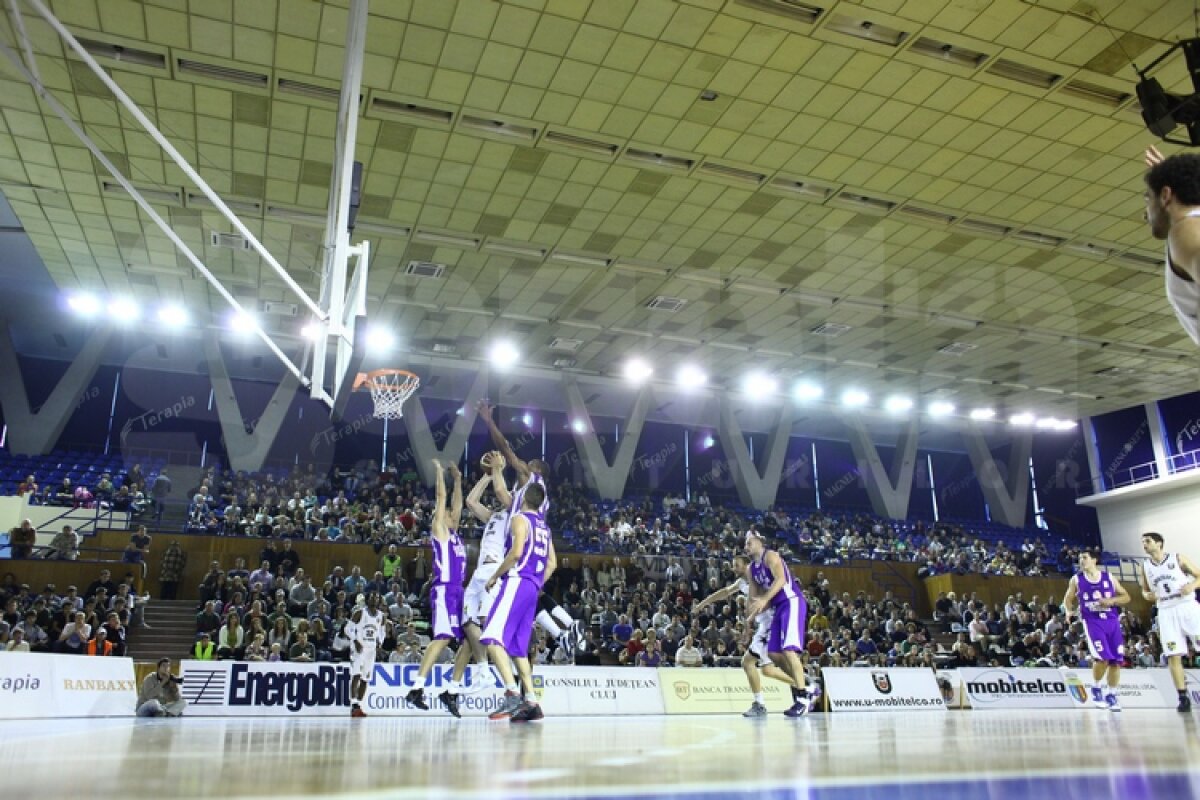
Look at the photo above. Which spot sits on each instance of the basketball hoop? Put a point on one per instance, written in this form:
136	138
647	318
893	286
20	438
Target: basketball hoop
389	389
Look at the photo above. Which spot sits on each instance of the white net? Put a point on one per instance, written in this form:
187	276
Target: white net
389	390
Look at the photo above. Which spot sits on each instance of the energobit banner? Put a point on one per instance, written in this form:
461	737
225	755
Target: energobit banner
227	688
894	689
716	691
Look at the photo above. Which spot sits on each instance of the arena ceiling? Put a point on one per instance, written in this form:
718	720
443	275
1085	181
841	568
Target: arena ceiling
933	197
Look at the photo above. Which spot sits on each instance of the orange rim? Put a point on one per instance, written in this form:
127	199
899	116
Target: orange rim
367	380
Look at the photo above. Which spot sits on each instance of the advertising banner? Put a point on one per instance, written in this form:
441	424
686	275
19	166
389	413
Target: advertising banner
228	688
716	691
1003	688
991	688
891	689
40	685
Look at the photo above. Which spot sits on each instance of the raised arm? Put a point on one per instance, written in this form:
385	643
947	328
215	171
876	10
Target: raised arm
485	413
475	500
456	498
498	484
438	524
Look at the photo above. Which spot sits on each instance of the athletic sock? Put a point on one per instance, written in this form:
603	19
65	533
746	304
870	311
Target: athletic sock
547	622
560	614
758	698
512	687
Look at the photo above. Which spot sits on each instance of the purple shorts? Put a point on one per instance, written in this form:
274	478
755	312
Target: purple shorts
787	628
446	602
510	622
1105	640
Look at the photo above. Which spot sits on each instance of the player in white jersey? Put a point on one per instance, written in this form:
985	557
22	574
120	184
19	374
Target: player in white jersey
365	630
1173	211
756	660
477	602
1169	580
551	617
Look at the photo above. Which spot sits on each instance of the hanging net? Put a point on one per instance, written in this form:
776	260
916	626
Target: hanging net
389	389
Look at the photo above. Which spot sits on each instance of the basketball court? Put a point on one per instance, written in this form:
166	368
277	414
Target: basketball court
996	755
933	201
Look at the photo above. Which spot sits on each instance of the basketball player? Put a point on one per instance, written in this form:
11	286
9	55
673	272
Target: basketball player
1097	593
782	595
477	602
366	631
756	658
551	617
529	562
1169	580
446	591
1173	211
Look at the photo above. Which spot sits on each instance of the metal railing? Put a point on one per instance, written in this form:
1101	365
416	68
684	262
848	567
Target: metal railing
1139	473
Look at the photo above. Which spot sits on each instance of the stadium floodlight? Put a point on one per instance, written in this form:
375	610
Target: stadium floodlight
124	310
578	426
691	377
898	404
855	398
311	331
173	315
504	354
85	304
941	408
527	420
807	390
709	441
981	414
637	371
1021	420
380	340
243	323
760	385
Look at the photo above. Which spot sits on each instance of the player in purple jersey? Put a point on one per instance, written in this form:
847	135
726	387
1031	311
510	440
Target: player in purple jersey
551	617
781	594
529	562
446	591
1097	594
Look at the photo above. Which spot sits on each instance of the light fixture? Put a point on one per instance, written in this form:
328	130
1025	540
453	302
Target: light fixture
1046	424
1022	420
124	310
380	340
173	315
311	331
708	441
85	304
898	404
855	398
1066	425
242	323
637	371
691	377
941	408
759	384
983	413
527	420
504	354
578	426
807	390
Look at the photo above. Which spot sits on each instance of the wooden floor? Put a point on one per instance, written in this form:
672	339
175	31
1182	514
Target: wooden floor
1064	755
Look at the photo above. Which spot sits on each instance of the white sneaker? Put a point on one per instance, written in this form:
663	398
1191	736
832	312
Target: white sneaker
1098	699
481	678
1112	702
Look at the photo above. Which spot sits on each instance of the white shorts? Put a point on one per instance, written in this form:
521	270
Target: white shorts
762	634
362	664
1176	624
477	603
